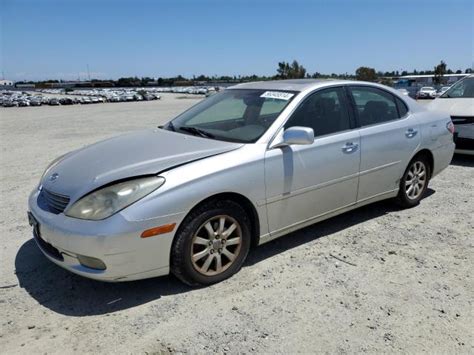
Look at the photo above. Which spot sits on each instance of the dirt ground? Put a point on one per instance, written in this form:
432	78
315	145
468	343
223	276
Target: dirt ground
404	285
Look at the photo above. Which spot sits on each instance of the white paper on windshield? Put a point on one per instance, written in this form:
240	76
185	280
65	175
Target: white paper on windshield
278	95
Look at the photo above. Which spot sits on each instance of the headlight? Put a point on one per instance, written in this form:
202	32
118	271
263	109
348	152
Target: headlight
105	202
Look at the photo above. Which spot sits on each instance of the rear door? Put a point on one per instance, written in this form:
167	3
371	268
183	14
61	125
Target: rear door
389	137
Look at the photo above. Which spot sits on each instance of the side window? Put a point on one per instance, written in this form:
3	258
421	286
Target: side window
374	105
324	111
402	107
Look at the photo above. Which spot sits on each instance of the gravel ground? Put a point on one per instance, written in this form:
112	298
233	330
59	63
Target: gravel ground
373	280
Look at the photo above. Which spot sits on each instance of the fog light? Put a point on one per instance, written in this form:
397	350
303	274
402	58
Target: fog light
92	263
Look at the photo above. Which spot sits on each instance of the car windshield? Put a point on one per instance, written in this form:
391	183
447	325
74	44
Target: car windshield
427	88
462	89
235	115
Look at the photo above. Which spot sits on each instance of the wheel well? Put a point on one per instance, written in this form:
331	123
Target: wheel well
429	156
246	204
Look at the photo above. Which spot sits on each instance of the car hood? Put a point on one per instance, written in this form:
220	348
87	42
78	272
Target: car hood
454	107
125	156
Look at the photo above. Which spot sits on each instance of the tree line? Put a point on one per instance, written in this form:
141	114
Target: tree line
284	70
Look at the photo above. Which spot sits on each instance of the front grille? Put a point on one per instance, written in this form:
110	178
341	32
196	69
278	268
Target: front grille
458	120
46	247
52	202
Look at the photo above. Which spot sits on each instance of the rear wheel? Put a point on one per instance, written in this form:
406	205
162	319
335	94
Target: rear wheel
414	182
212	243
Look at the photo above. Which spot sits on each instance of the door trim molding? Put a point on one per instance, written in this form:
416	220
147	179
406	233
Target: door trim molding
312	220
380	167
310	188
303	190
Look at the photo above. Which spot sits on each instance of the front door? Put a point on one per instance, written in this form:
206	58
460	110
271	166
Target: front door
304	182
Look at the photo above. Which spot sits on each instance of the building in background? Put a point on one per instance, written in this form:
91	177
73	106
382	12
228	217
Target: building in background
428	80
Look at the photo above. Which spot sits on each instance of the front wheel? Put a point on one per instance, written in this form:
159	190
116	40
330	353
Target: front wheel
414	182
212	243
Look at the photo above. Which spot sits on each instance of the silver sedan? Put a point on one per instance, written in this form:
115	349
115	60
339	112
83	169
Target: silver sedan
243	167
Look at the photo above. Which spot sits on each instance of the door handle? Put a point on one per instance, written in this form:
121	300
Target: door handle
410	133
350	147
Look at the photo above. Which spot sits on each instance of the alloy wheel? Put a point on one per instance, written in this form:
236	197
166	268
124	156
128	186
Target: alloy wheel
415	180
216	245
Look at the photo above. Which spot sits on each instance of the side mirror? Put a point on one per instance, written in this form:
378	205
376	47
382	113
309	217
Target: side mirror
294	136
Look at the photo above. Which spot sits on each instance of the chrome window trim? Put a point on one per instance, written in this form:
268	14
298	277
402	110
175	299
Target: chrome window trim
296	104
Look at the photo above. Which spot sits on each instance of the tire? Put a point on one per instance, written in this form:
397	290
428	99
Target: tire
414	183
203	239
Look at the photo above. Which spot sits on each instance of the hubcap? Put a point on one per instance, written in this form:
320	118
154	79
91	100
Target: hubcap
216	245
416	180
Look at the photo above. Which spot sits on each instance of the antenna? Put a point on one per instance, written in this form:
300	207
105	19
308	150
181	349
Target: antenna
88	73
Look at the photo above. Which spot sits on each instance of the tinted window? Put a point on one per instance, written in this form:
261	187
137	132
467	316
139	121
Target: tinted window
462	89
402	107
374	105
324	111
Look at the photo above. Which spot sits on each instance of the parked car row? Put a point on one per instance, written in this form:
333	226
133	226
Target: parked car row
114	92
119	95
22	99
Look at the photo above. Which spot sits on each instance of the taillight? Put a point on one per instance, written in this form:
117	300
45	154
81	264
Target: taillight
450	127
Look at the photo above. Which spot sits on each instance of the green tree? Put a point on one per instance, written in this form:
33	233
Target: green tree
366	74
439	72
283	70
386	81
297	71
290	71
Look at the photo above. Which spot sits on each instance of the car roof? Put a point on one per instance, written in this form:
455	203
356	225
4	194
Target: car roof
287	85
302	85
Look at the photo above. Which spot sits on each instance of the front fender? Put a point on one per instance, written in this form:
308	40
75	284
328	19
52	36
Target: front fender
240	171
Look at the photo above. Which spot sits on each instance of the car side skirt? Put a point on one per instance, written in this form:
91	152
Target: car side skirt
294	227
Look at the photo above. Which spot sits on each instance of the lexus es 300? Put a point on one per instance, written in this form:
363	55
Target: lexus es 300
242	167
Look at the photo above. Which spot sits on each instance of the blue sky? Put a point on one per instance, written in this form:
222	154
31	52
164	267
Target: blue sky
58	39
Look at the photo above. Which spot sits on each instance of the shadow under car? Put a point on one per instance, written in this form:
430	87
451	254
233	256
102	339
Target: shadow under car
69	294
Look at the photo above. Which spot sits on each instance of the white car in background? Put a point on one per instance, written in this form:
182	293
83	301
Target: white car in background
458	102
404	92
426	92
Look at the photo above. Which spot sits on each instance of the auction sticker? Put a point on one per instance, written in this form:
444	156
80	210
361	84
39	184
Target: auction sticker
277	95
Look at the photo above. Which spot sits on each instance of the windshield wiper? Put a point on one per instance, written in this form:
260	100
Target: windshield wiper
196	131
